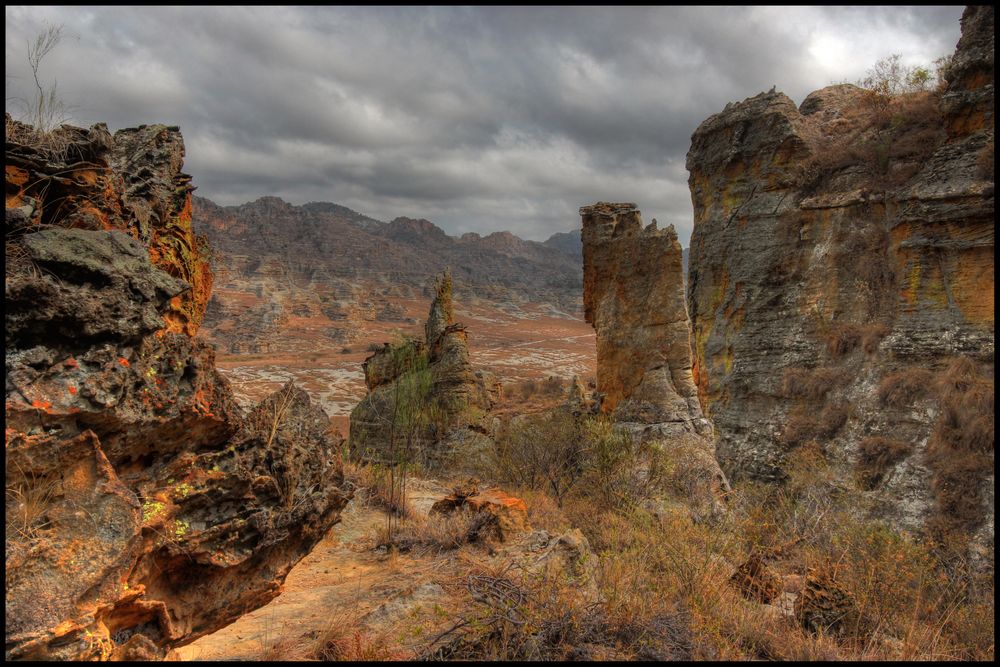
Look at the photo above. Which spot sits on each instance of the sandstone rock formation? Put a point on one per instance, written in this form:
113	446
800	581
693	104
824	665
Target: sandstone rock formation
842	250
423	396
142	509
634	297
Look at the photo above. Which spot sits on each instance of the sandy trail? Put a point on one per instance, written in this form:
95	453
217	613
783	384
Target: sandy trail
343	574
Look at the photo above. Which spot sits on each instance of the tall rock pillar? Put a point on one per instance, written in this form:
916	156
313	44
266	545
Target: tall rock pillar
633	295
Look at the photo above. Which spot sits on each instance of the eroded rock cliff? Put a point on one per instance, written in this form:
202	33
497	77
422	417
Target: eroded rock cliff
634	297
142	510
841	287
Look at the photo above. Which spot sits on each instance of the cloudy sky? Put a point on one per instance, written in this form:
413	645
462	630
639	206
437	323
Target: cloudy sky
477	118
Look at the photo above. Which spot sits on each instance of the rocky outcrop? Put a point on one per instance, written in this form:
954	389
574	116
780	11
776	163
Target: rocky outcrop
142	509
87	179
842	250
634	297
422	395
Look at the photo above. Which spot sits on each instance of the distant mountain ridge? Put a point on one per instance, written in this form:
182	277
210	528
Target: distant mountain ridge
340	268
338	237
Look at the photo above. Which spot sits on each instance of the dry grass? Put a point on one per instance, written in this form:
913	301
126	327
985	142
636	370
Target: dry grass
811	384
902	388
283	649
804	424
435	533
54	144
346	640
29	497
876	455
960	449
665	588
844	337
887	138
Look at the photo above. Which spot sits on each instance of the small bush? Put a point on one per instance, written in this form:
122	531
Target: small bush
345	640
842	338
876	455
540	451
552	386
282	649
902	388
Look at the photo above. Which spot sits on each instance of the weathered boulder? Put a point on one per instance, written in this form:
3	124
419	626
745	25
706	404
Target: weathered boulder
143	510
422	395
132	182
634	298
503	514
840	248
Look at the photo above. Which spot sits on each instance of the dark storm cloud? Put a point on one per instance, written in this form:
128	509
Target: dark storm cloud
479	118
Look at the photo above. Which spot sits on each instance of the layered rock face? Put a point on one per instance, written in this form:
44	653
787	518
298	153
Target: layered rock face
841	272
142	509
634	297
422	395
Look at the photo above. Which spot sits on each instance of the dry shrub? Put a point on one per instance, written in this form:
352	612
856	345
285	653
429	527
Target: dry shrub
283	649
543	512
799	428
552	386
844	337
54	143
805	424
876	455
528	388
887	137
540	451
664	586
865	257
902	388
812	384
960	448
871	335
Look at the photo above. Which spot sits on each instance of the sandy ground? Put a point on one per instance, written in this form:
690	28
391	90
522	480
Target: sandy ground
343	577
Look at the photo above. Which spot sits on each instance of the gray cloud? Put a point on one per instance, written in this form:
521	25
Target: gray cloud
479	118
